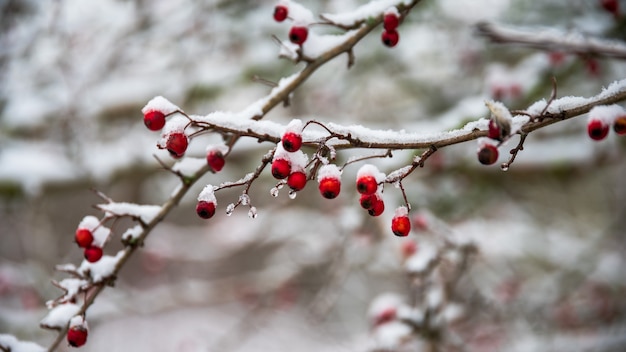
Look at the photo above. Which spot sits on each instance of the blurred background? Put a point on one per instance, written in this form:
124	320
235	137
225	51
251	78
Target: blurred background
547	273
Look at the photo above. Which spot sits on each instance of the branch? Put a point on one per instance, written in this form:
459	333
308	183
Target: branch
552	40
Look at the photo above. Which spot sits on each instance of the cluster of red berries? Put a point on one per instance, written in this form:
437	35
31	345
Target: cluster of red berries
84	239
369	185
602	117
391	21
298	33
176	141
499	129
289	161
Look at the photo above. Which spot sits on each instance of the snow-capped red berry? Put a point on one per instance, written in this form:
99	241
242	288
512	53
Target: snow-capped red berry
378	206
494	131
154	120
298	34
205	209
366	184
488	154
400	224
619	125
390	21
93	253
215	160
281	168
280	13
330	187
292	141
597	129
83	237
176	144
296	180
611	6
390	38
367	200
77	336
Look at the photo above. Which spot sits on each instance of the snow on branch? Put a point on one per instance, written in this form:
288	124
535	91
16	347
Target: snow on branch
553	40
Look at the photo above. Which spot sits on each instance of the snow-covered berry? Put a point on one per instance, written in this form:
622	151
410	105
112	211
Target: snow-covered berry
176	144
390	38
400	224
154	120
77	335
488	154
205	209
281	168
298	34
366	184
390	21
296	180
93	253
330	187
292	141
83	237
619	125
215	160
280	13
597	129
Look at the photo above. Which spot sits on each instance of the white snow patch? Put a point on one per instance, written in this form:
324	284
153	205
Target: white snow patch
59	316
391	335
328	171
12	344
189	166
103	268
419	261
362	13
146	213
161	104
132	233
208	194
606	113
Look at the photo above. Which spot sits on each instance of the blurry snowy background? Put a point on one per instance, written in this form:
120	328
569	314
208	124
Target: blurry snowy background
551	231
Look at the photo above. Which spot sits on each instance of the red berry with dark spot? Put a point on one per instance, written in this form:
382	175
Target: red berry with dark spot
390	22
488	154
205	209
597	130
83	237
176	144
281	168
367	200
366	184
378	206
280	13
93	253
619	125
77	336
330	187
215	159
298	34
390	38
401	225
292	141
297	180
154	120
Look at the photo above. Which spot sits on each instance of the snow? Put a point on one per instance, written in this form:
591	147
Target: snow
420	261
78	320
161	104
12	344
390	336
294	126
384	302
100	232
132	233
103	268
316	45
363	13
370	170
401	212
72	286
328	171
606	113
146	213
189	166
298	160
59	316
208	194
299	13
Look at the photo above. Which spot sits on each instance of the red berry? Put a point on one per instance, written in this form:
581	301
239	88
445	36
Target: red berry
401	225
488	154
298	34
215	159
385	316
297	180
367	200
154	120
205	209
597	130
330	187
378	206
390	38
176	144
366	184
93	253
77	336
494	132
83	237
619	125
408	248
611	6
391	22
292	141
281	168
280	13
